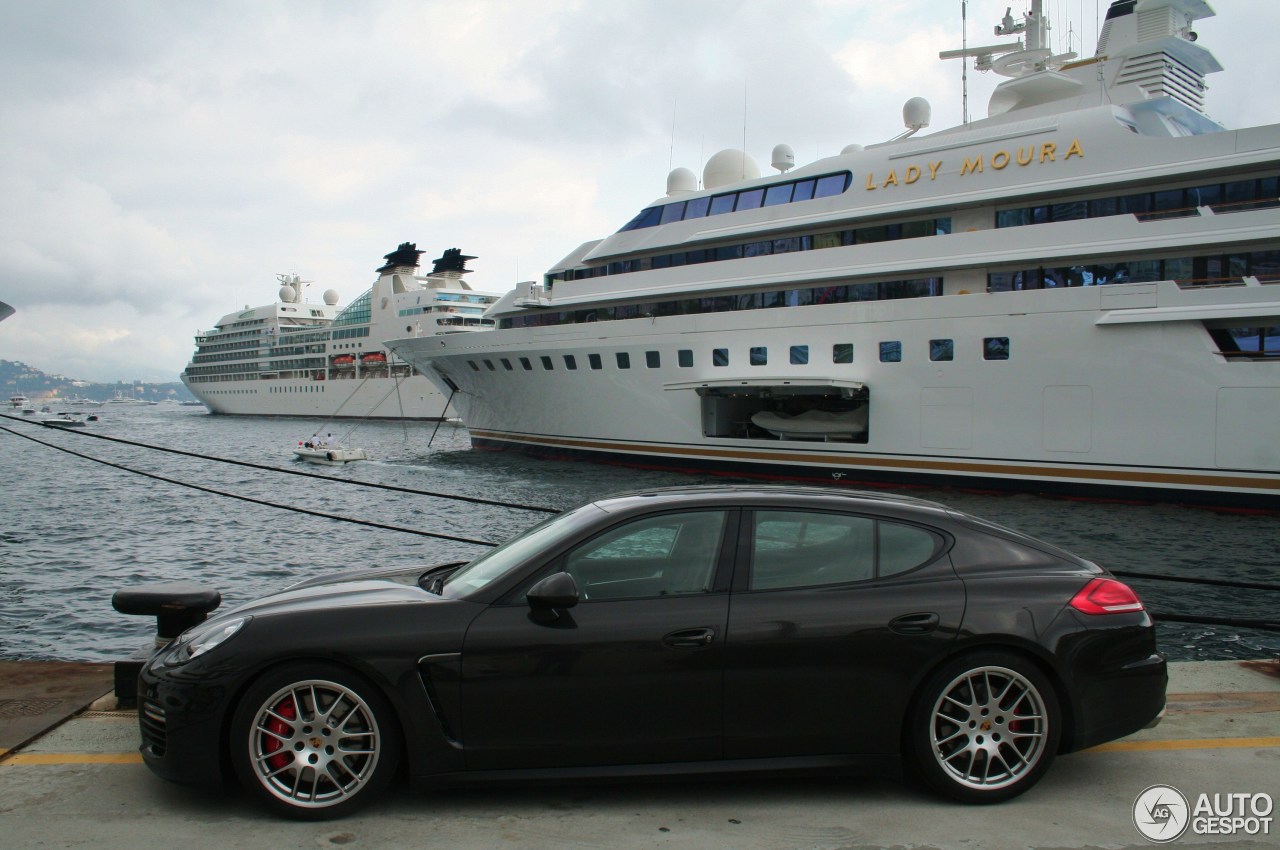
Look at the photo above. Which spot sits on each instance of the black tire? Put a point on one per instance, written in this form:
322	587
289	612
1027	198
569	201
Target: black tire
984	727
314	741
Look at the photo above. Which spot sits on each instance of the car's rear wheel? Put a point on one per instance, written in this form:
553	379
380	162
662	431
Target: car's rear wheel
314	741
985	727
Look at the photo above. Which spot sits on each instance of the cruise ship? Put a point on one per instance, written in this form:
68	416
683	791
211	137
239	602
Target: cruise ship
1078	295
295	358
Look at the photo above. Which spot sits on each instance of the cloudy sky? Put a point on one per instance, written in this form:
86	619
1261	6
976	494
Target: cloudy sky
162	160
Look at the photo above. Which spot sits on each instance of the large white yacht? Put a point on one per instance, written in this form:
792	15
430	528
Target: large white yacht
1078	294
295	358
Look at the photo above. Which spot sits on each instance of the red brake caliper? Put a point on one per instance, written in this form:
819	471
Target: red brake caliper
275	726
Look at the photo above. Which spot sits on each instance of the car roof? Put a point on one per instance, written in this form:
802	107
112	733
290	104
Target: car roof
756	494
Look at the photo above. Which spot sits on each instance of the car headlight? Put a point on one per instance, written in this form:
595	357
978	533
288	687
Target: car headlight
197	641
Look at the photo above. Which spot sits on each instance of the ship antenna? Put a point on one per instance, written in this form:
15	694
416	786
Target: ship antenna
964	65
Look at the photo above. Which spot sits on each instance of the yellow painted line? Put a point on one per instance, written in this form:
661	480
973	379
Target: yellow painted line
73	758
1186	744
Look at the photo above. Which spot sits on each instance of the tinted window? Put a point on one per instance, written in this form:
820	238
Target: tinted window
759	355
653	556
842	352
720	357
685	357
697	208
672	212
778	195
942	349
652	359
904	547
570	362
802	549
833	185
546	363
624	360
506	364
594	360
891	352
722	204
750	199
799	355
995	348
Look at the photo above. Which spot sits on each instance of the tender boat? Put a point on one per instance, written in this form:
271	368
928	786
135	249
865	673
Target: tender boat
329	455
1078	294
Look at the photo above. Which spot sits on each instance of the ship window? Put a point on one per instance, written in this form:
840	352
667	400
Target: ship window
624	360
759	355
546	363
685	357
720	357
594	361
804	190
942	349
652	359
800	355
750	199
1244	343
891	351
834	184
506	364
672	212
995	348
489	365
697	208
570	362
524	361
474	366
722	204
778	194
842	352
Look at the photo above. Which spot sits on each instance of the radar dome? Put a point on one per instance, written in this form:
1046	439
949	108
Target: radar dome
729	166
331	297
288	294
784	158
916	113
853	148
681	180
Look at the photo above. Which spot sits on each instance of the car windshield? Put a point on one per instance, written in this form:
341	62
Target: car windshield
518	550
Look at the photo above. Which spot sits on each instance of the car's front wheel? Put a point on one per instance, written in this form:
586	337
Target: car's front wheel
985	727
314	741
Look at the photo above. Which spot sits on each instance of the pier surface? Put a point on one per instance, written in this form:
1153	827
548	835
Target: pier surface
81	783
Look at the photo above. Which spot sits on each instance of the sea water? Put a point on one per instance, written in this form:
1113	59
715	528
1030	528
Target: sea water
74	530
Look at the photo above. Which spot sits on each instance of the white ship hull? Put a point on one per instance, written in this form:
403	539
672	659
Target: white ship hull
1172	424
376	398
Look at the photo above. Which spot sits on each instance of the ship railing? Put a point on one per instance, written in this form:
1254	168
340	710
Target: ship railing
1230	281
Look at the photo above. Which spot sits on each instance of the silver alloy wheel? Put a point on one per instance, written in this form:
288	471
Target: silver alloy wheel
988	728
314	744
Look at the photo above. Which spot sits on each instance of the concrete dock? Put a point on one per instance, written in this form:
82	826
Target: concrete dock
82	784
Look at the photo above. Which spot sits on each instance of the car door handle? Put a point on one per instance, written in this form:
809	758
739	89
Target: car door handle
914	624
690	638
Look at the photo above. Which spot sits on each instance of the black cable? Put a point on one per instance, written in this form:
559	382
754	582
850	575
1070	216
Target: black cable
1215	582
260	466
249	499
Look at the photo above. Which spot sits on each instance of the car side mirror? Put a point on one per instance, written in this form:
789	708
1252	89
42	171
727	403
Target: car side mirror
557	590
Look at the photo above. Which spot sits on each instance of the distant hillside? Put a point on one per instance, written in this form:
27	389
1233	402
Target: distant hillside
18	378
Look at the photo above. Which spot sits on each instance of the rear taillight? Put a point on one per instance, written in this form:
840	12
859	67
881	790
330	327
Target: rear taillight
1106	596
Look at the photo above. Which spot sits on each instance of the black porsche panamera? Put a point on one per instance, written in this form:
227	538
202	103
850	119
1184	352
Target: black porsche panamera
692	630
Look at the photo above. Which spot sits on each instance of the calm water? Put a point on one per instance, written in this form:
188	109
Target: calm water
75	531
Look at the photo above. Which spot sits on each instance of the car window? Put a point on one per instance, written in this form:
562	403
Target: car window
805	549
652	556
518	551
904	547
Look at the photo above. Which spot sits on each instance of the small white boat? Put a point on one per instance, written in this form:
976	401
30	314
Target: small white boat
329	455
64	420
814	424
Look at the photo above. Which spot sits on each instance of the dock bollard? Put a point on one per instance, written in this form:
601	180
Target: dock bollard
176	605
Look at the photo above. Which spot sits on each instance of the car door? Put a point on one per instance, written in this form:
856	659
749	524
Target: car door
631	674
832	619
